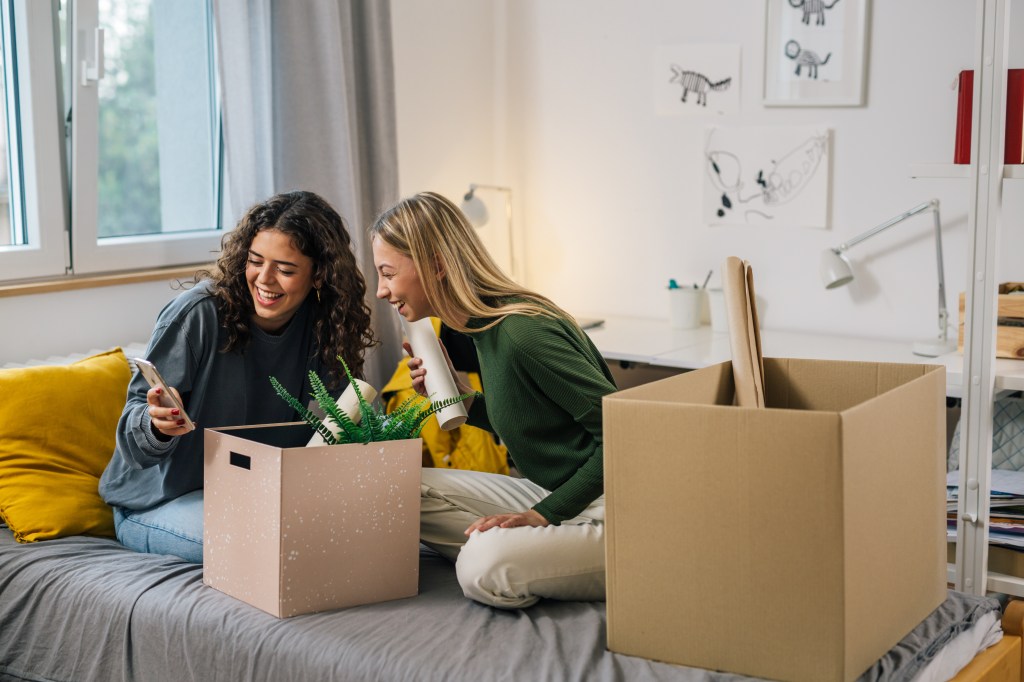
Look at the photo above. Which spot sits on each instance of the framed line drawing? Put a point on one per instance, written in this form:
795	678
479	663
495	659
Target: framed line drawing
815	53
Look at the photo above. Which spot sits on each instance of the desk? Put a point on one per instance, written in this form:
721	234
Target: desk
653	341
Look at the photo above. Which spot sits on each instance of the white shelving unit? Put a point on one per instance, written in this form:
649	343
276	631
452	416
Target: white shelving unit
951	170
986	175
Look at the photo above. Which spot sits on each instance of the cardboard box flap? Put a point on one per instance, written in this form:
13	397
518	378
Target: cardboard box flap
835	386
284	435
713	386
791	384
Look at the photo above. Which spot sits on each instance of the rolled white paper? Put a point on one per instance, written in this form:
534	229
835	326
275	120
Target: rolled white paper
349	404
439	382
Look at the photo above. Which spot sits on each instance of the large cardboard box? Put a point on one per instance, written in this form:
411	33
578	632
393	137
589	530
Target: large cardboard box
796	542
293	529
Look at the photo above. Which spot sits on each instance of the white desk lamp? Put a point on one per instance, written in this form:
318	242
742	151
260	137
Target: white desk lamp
836	271
476	211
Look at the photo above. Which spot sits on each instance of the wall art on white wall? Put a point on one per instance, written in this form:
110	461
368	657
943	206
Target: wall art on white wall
767	176
815	52
697	79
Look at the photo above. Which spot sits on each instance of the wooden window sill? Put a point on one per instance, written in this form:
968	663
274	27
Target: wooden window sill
72	282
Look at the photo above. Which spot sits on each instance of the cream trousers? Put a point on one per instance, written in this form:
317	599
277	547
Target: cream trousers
510	567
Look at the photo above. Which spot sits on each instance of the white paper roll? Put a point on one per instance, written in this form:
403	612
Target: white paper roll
349	404
440	384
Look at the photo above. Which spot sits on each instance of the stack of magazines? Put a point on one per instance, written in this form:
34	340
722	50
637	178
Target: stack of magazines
1006	508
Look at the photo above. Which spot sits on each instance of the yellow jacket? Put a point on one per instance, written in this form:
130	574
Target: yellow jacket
465	447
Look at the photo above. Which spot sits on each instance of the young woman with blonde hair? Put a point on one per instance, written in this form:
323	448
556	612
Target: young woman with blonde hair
514	540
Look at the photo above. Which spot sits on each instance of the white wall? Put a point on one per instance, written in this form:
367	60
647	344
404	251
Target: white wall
450	72
608	193
42	325
552	97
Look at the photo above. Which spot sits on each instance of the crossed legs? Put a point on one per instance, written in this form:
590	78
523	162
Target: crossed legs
511	567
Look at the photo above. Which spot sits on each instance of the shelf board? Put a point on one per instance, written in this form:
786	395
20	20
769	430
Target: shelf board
958	170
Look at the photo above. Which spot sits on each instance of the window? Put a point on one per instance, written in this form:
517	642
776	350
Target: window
33	242
7	236
127	147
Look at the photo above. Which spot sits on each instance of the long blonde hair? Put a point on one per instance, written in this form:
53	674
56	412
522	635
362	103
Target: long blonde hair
432	231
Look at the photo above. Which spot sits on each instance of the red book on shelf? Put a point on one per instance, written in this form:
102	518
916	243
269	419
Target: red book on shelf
1015	117
964	95
1013	148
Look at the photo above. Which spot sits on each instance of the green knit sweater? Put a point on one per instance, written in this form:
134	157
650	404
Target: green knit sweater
543	381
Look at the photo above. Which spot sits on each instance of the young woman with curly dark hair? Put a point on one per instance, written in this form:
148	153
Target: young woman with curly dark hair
285	298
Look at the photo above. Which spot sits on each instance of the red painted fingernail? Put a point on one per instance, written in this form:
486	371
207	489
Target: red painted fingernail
181	422
159	390
175	411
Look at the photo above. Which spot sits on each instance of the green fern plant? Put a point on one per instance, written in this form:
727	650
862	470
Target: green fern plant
405	421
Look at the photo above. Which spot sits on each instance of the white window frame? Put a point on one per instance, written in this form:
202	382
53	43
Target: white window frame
90	254
36	48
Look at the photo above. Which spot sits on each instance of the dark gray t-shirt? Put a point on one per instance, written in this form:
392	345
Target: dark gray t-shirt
218	389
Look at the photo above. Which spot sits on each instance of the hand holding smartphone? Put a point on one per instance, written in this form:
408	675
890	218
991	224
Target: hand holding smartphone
167	398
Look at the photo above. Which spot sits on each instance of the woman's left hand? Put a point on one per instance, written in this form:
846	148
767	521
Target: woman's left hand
527	518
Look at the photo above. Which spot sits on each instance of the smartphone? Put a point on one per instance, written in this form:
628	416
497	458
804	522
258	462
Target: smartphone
167	398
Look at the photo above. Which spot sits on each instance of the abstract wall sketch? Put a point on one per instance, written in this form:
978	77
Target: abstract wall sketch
767	176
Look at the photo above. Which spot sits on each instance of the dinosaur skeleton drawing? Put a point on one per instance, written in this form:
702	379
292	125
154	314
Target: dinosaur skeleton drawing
813	7
808	58
691	81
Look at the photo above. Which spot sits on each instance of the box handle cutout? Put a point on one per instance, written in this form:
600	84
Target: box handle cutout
241	461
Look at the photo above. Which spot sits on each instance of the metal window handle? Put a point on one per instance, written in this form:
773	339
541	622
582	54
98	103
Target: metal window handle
93	72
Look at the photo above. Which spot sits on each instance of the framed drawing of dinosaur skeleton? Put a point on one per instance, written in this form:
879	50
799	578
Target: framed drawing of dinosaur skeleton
815	53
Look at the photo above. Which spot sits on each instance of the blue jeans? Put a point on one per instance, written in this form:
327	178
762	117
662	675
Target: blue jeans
174	527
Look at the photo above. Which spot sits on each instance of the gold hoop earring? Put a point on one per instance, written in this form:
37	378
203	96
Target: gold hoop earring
318	295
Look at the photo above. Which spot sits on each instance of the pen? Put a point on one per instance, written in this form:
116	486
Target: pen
706	279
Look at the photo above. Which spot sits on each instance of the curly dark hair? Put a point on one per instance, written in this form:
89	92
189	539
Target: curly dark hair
341	317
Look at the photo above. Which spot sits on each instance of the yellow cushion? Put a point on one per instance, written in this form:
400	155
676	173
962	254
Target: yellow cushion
57	427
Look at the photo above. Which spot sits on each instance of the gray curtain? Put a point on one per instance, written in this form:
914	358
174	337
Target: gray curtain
308	97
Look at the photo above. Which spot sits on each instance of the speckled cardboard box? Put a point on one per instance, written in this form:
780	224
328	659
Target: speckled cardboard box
293	529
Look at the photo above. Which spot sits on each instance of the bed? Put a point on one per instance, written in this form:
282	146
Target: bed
1003	660
84	608
77	607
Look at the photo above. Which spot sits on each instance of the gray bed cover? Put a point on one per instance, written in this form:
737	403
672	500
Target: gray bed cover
81	609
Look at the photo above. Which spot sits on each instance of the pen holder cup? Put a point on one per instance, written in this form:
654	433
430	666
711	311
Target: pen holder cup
716	310
685	307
